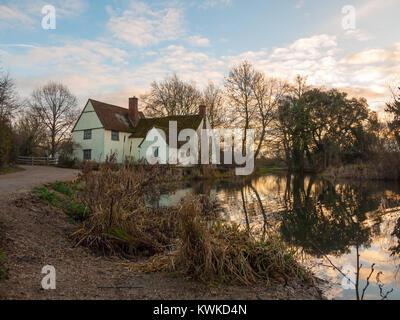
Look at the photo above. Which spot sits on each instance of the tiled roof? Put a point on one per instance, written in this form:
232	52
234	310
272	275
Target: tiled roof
112	117
116	118
183	122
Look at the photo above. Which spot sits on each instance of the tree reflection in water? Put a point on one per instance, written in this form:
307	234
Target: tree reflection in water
344	223
324	219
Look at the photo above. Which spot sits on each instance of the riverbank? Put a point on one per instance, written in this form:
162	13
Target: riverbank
37	235
362	172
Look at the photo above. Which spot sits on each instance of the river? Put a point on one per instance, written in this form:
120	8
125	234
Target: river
330	225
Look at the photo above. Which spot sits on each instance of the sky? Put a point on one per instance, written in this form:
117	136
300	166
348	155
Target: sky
112	50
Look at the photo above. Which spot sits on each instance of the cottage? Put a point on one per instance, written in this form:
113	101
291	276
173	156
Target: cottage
103	129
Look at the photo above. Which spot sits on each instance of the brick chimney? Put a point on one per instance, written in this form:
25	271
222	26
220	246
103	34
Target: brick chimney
203	111
134	115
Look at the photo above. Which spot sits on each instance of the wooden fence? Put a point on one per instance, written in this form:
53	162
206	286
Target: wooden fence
41	161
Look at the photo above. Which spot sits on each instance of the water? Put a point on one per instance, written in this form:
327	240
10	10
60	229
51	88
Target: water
327	222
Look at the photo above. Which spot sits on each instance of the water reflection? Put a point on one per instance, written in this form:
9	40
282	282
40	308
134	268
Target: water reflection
333	220
333	225
324	219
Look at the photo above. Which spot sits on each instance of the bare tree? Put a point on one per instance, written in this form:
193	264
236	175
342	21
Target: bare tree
8	97
31	134
171	96
393	108
299	86
213	99
268	92
55	107
239	91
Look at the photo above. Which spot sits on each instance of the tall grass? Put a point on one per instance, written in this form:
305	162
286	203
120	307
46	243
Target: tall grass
119	221
219	253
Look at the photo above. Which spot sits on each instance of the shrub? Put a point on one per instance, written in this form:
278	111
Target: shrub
67	162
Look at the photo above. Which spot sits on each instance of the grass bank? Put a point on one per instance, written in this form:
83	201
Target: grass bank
64	196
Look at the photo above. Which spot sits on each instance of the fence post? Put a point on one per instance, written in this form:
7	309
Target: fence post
32	160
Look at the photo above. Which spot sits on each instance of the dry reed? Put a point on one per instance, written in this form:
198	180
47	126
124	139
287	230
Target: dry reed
219	253
119	220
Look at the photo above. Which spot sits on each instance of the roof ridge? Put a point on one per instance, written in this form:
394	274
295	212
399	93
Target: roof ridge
182	115
108	104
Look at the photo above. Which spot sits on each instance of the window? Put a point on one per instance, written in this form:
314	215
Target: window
87	134
87	154
114	135
155	152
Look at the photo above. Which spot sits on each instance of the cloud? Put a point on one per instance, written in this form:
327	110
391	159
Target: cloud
300	4
141	26
314	57
368	57
11	16
69	55
206	4
364	74
191	65
102	70
85	66
70	8
27	14
372	6
375	56
197	41
358	35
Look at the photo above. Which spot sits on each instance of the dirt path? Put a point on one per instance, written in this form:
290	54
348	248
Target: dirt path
36	235
33	176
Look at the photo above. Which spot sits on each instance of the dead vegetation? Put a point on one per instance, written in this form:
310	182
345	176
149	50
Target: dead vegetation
120	222
219	253
189	239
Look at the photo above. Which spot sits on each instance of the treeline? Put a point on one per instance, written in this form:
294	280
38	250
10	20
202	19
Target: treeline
306	128
37	126
303	127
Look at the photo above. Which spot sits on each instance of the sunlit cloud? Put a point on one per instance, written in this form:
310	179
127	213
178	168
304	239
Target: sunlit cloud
141	26
198	41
